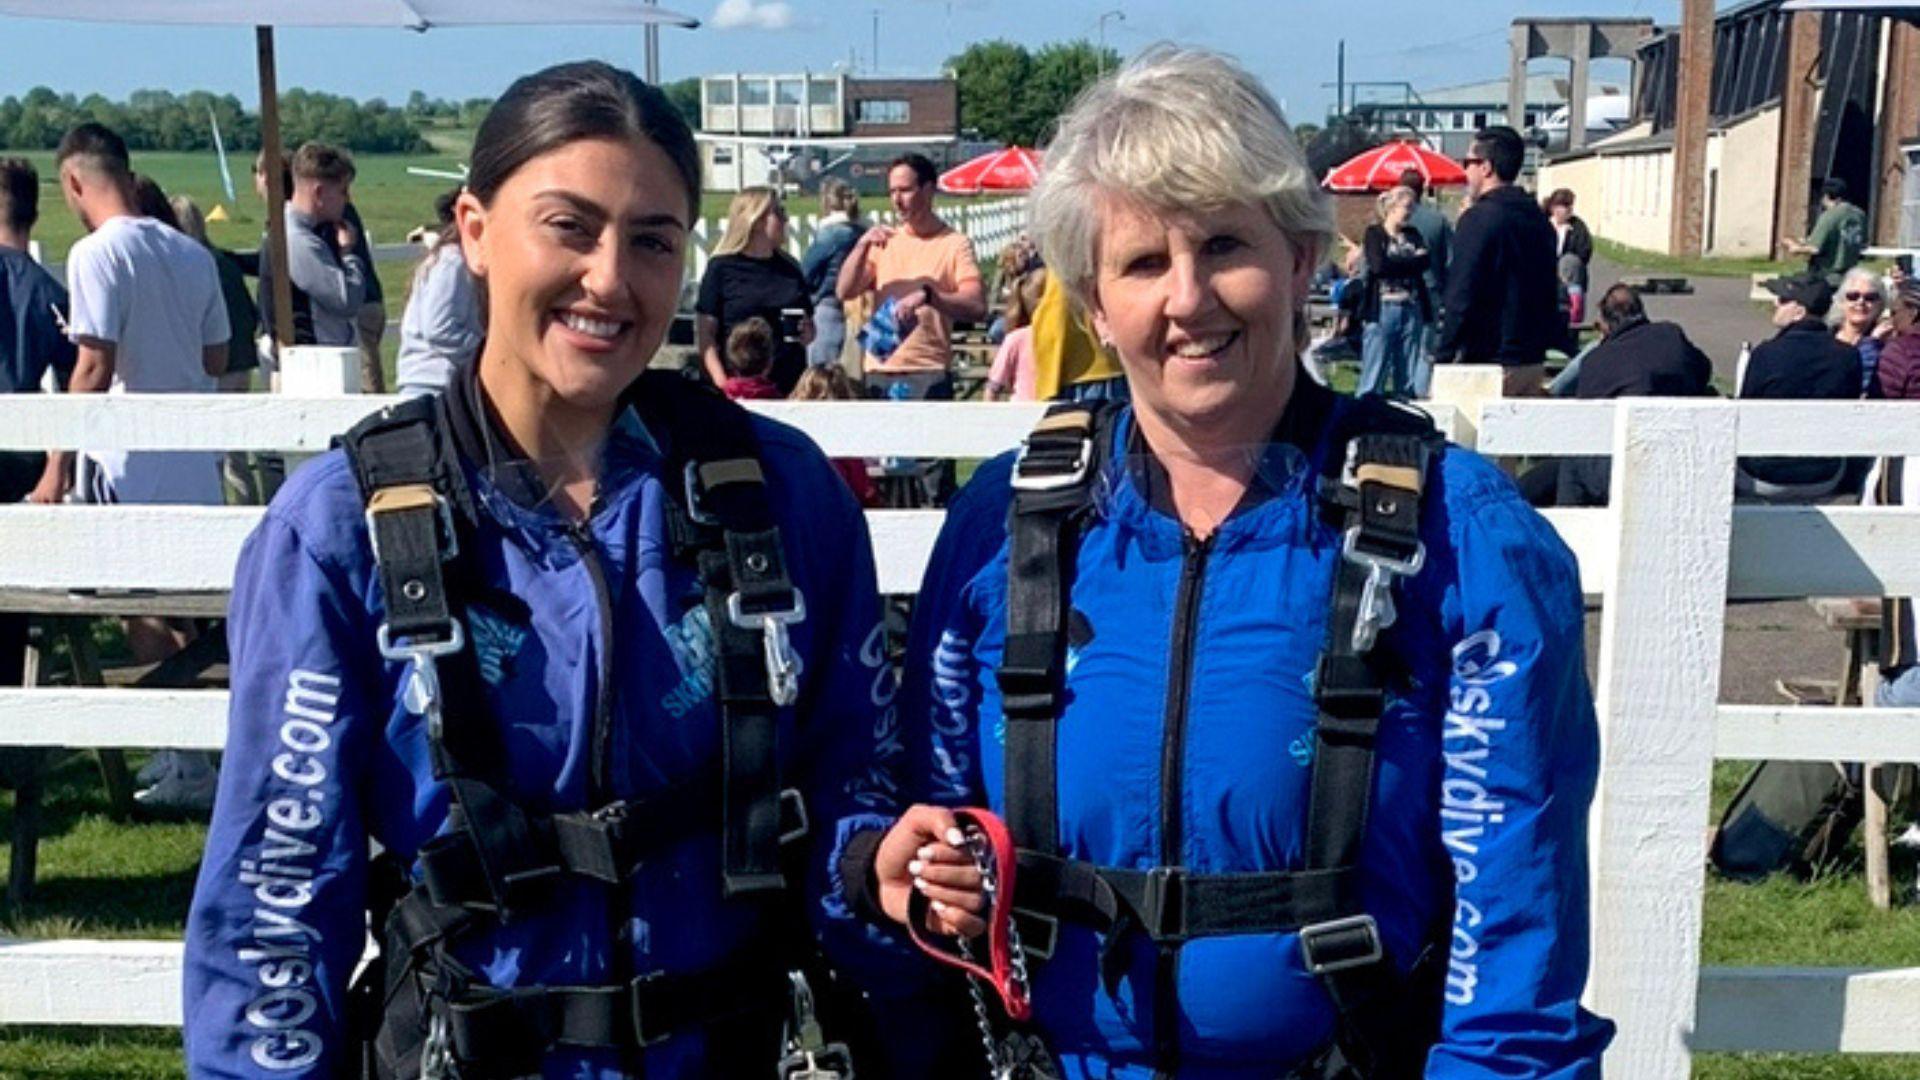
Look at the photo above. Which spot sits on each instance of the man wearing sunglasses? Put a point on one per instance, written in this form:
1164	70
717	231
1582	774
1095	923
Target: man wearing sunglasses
1804	361
1501	301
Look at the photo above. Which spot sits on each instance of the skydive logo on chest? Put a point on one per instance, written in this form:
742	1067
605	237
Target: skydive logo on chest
691	640
496	643
1469	812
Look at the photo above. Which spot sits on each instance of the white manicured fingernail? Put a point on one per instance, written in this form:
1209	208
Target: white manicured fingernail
956	837
939	906
920	883
926	853
915	867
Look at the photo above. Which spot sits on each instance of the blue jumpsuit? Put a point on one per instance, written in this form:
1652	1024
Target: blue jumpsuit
322	754
1486	761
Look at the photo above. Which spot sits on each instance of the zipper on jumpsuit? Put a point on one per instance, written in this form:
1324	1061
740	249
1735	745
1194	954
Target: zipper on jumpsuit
1173	754
599	778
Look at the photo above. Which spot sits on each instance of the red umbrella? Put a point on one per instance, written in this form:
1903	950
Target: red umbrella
1012	169
1379	168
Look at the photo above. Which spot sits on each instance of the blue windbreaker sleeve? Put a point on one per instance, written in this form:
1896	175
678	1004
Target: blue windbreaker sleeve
278	919
1521	753
853	720
941	684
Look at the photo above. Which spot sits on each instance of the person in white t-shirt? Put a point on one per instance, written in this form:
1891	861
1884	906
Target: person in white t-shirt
148	318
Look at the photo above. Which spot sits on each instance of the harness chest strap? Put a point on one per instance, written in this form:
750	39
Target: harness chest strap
1377	502
494	856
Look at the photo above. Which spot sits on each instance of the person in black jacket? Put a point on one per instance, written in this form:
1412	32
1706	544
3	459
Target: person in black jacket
1803	361
1395	307
1635	358
1501	303
1570	234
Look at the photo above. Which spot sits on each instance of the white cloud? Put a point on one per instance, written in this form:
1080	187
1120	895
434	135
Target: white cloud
749	15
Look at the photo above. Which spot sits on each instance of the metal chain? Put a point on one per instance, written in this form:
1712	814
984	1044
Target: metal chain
1001	1064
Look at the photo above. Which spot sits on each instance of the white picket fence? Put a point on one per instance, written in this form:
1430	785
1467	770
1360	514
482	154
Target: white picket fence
1664	559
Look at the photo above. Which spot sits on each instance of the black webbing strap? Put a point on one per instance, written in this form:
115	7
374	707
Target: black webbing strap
411	486
729	527
605	845
1380	493
1172	905
1052	490
506	1032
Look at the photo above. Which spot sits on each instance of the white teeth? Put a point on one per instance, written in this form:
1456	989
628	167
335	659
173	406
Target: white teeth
590	327
1199	347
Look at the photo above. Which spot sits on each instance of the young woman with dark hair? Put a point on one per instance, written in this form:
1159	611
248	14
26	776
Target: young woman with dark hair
609	691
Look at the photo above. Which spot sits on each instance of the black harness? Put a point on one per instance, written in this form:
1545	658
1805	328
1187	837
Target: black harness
1373	496
497	860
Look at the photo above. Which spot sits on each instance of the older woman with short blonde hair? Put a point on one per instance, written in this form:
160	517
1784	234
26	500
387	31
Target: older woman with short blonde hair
1282	700
1858	319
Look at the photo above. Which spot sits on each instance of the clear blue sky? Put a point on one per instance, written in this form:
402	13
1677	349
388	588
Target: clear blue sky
1289	43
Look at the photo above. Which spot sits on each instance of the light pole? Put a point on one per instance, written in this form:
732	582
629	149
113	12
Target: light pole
1100	61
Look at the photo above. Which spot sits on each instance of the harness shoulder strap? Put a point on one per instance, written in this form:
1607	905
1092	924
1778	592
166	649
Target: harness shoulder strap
1053	492
1375	490
726	524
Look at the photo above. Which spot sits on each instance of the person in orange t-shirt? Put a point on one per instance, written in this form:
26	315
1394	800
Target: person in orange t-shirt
926	268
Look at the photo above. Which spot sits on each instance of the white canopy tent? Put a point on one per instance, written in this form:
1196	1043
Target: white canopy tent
1897	9
265	15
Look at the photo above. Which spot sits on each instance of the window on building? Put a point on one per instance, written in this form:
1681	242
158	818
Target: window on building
722	154
719	91
881	111
1479	121
1433	120
1459	121
823	92
787	92
756	92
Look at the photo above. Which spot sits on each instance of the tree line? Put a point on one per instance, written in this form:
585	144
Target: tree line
162	120
1010	95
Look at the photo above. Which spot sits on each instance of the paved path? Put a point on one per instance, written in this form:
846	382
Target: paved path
1717	315
1767	641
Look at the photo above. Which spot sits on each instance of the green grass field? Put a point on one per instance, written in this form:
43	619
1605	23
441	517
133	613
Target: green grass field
99	879
391	200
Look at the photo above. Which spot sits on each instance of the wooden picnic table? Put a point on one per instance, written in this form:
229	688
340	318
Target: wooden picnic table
1859	620
61	615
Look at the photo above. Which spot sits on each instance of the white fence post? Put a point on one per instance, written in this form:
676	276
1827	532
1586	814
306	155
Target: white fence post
1658	692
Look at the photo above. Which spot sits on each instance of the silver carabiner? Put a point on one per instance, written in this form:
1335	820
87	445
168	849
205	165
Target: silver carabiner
421	696
1376	608
436	1057
783	664
1376	596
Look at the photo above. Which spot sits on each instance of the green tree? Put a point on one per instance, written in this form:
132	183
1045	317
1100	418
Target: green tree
993	80
1060	72
685	96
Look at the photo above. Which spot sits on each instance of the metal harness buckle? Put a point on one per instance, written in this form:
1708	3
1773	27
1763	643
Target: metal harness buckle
1376	597
405	497
422	694
1313	937
1082	461
809	1056
783	664
436	1057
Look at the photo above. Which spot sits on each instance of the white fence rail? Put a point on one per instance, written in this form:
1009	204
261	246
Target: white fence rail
1664	558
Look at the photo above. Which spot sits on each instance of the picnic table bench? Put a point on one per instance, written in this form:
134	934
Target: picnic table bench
1859	620
67	618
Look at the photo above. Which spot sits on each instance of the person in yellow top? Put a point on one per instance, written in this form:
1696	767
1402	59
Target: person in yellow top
1069	362
926	269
